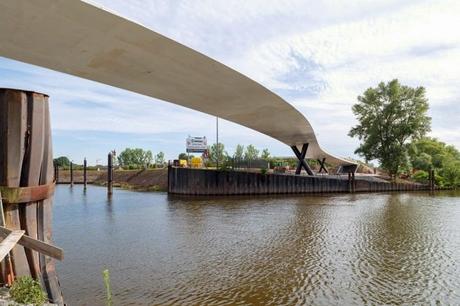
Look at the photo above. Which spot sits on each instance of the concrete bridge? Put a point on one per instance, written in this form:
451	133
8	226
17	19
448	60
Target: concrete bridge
80	39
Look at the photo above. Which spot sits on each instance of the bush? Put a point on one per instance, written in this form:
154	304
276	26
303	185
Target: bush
26	290
421	176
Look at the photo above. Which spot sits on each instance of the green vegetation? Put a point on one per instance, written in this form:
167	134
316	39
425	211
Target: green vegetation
160	160
239	152
265	154
62	161
217	153
106	276
251	153
135	158
429	153
183	156
26	290
390	116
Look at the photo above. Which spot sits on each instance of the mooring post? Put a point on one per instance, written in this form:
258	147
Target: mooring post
432	180
353	184
26	161
84	174
349	183
109	174
71	174
56	173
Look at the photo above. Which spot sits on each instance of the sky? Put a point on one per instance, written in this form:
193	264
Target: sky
318	55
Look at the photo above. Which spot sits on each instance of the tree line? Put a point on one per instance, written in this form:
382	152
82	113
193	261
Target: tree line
129	158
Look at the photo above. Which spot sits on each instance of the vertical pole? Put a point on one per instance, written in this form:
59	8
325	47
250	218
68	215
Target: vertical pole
217	143
26	160
349	182
71	174
56	173
353	182
84	173
432	180
109	174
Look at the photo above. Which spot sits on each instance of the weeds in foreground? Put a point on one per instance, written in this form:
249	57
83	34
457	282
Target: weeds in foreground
26	290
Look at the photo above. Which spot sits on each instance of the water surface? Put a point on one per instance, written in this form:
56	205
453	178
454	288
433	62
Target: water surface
381	248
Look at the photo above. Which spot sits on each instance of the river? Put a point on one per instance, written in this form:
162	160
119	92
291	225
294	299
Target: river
381	248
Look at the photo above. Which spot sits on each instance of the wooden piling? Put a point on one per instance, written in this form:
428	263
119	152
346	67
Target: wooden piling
432	180
26	160
350	188
71	174
353	182
85	181
109	174
56	173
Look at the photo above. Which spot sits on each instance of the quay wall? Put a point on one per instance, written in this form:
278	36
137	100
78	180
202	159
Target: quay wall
187	181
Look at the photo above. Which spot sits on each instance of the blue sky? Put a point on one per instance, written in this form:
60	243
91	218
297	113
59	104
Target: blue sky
318	55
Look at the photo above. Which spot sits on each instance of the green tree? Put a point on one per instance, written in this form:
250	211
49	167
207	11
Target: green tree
265	154
160	159
251	153
62	161
389	117
239	152
429	153
422	162
183	156
217	153
450	172
135	158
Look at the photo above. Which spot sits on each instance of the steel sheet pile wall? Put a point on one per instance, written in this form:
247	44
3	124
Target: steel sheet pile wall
211	182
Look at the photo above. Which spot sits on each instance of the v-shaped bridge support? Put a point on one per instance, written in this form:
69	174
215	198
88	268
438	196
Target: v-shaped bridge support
301	156
322	165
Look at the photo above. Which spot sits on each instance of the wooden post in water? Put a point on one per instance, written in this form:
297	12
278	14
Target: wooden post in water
84	174
26	160
432	180
353	182
56	173
71	174
109	174
350	190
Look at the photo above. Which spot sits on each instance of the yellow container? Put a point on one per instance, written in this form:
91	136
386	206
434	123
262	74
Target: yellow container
197	162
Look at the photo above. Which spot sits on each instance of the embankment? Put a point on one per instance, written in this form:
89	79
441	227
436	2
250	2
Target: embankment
148	180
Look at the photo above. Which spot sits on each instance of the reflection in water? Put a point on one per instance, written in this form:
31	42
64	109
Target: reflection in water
322	250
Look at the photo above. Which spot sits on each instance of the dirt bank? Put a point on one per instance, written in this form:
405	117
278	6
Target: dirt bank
149	180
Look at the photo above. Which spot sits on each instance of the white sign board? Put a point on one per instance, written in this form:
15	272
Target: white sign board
196	144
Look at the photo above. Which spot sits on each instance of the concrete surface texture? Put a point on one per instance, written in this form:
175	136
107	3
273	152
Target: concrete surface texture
80	39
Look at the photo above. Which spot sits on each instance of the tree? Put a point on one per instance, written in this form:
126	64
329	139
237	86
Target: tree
251	153
160	159
62	161
389	116
217	153
239	152
135	158
423	162
265	154
183	156
450	172
430	153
